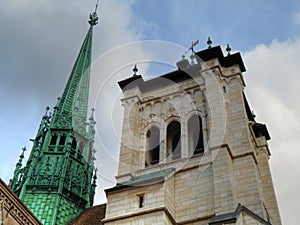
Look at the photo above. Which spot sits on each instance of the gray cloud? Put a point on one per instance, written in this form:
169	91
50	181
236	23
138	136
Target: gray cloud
273	90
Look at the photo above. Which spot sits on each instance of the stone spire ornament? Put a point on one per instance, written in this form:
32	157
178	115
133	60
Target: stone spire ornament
228	50
135	70
209	42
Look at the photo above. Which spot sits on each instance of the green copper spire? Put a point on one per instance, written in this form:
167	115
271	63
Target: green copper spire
72	108
58	181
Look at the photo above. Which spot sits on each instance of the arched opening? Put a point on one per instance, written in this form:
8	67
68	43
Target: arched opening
53	139
152	146
173	140
73	146
62	140
195	135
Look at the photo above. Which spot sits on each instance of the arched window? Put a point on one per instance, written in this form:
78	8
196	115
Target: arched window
73	146
53	139
173	140
152	146
62	140
195	135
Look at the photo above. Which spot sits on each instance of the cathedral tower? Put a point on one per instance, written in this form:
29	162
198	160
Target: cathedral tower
191	150
58	181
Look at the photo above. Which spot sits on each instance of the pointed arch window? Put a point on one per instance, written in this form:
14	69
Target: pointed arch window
152	146
62	140
195	135
173	140
53	139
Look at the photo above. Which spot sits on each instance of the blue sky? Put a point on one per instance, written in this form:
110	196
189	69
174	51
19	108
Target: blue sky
243	24
40	41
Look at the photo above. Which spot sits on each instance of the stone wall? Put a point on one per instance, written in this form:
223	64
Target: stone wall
233	169
12	210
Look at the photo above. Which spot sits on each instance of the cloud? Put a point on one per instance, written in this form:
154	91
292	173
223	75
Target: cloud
39	45
105	95
273	92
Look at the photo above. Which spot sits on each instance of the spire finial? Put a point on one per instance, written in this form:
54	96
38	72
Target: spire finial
96	6
22	156
228	50
253	114
209	42
135	70
93	16
92	117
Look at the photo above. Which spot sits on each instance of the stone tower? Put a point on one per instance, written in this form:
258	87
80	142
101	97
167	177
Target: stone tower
191	150
57	182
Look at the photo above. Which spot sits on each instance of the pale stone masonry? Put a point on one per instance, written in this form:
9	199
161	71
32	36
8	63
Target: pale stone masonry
223	178
12	210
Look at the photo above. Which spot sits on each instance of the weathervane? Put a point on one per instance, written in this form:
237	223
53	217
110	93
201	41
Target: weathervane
193	46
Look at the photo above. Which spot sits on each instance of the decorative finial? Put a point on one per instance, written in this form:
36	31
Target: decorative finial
93	16
135	70
21	157
183	57
209	42
46	113
253	114
96	6
92	114
95	176
24	149
192	57
228	49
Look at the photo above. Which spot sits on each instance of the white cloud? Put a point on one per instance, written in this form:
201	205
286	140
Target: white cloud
43	45
105	94
273	92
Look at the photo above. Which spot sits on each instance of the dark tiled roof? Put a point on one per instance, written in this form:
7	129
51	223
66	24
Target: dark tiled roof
258	128
180	75
227	61
90	216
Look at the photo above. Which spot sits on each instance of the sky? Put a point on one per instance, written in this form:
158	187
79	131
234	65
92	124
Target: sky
39	41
